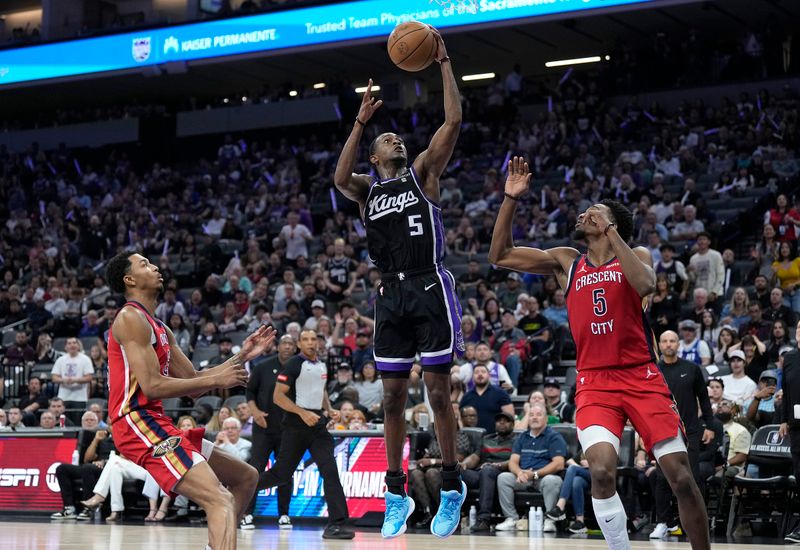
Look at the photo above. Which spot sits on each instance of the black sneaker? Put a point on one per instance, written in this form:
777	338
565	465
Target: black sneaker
793	537
556	514
480	525
577	527
338	532
424	522
85	515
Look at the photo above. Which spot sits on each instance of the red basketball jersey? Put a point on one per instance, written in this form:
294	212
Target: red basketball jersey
124	393
607	318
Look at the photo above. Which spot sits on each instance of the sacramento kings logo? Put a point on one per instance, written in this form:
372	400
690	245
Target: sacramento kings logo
141	49
167	446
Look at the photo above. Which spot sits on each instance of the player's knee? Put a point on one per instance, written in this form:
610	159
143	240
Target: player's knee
249	475
439	398
604	479
682	482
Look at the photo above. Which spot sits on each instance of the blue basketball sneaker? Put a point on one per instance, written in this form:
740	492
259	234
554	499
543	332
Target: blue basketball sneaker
398	510
446	520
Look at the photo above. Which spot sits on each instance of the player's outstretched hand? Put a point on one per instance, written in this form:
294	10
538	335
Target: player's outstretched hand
519	177
232	373
257	343
368	104
441	50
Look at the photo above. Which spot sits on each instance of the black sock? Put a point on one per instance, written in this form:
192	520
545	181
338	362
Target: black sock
451	477
396	482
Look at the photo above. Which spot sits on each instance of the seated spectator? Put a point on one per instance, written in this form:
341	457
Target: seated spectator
225	352
577	481
510	345
58	408
737	311
15	422
425	480
342	420
556	312
755	359
481	468
73	372
229	438
344	379
100	375
87	472
664	308
98	410
756	326
535	396
691	347
738	436
760	408
467	416
47	421
358	421
45	353
561	409
738	386
208	336
716	388
498	375
777	310
778	338
414	417
215	424
538	456
245	420
786	270
182	335
18	353
34	402
3	420
487	398
364	352
673	270
370	388
115	470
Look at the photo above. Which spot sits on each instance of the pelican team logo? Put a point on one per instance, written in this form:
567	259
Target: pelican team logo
167	446
141	49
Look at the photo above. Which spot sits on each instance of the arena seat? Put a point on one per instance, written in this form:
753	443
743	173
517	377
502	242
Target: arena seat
234	400
758	498
214	401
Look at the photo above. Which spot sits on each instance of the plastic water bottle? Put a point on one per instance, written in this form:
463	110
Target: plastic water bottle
535	520
539	519
76	457
473	516
531	519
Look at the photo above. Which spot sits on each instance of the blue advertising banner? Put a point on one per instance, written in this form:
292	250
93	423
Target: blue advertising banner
270	31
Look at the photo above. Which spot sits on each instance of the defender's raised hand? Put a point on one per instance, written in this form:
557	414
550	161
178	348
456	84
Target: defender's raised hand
519	177
368	105
257	343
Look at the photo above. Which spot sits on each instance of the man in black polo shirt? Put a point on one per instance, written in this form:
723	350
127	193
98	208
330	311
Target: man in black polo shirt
789	413
480	469
267	419
300	392
687	382
487	399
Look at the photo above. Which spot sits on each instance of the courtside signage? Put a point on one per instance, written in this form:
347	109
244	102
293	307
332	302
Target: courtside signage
265	32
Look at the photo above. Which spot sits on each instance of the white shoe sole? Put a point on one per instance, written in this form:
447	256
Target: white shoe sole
402	530
284	526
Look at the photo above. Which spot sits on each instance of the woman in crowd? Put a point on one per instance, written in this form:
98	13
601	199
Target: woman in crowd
215	424
766	252
534	397
716	387
370	388
471	328
786	274
100	377
728	336
783	219
709	331
735	312
665	307
45	353
491	317
778	337
182	335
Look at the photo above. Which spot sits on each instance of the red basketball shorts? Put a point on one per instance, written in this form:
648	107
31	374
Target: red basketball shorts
151	441
610	397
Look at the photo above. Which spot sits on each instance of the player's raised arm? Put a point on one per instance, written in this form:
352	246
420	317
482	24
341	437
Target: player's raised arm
133	333
355	186
430	164
636	263
502	251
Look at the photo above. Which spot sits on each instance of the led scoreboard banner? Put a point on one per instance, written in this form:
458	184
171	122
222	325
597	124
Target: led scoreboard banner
265	32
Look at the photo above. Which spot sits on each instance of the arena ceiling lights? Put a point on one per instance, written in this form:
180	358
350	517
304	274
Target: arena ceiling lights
576	61
479	76
362	89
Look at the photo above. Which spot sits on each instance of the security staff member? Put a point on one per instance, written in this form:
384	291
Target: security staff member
790	414
267	419
688	386
300	392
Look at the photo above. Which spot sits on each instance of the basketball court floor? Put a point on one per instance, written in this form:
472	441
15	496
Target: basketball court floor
45	535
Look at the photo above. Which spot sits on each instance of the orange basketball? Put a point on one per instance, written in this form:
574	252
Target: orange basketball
412	46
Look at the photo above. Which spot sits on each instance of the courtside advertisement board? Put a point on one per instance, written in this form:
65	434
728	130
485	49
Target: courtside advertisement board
362	467
28	472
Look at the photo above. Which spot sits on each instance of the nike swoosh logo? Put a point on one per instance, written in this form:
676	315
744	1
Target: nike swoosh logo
430	286
609	519
684	375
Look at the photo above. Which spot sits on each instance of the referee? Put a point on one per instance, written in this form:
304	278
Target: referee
790	414
267	419
300	391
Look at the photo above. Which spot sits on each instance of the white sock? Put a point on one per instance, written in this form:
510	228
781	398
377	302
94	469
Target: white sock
613	522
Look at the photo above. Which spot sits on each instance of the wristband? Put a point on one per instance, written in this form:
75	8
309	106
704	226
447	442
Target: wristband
609	226
512	197
361	123
445	59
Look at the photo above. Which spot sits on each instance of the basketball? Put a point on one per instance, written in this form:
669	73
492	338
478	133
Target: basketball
412	46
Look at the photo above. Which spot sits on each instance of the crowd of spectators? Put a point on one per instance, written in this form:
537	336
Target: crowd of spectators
253	237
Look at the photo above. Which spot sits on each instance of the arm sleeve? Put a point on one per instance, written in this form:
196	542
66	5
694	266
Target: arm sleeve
290	372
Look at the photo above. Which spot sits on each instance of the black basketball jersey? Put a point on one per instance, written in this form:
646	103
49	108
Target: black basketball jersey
404	228
339	270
